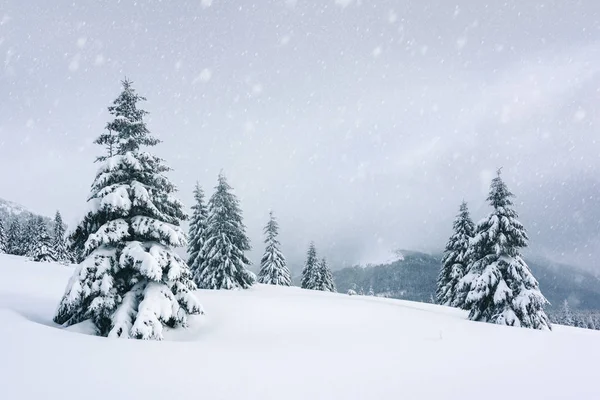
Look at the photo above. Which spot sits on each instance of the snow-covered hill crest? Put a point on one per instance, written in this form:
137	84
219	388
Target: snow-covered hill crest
284	343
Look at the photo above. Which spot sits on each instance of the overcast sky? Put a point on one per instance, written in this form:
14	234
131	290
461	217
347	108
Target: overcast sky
362	124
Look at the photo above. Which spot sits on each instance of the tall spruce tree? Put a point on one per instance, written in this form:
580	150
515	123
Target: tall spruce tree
131	282
273	267
197	231
455	261
225	263
3	238
310	270
59	244
502	289
42	249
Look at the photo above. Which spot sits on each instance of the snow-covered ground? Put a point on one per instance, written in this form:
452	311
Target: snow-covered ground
284	343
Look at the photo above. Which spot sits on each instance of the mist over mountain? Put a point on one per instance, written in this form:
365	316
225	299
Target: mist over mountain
414	278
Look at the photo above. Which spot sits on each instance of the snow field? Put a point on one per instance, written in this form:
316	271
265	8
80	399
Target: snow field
284	343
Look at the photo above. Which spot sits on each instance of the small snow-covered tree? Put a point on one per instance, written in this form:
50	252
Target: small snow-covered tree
14	244
327	276
351	292
590	322
225	263
42	249
197	232
310	270
565	316
273	267
322	278
502	289
131	282
361	291
30	235
3	238
371	292
455	261
60	245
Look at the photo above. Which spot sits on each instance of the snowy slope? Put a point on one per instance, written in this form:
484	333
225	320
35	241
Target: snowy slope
285	343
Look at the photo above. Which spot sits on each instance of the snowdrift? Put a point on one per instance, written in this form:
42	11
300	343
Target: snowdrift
284	343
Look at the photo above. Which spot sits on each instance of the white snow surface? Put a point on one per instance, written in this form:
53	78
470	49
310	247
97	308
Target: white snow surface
284	343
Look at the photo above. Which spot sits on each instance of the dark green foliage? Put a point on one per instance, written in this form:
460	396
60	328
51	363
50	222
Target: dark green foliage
502	289
3	238
273	267
59	244
42	249
225	262
130	282
310	267
14	236
455	260
197	232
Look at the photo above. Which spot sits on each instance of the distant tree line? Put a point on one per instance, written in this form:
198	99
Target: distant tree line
34	237
578	318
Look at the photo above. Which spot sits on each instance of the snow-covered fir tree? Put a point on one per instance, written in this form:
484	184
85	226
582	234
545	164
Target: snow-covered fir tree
42	249
131	282
565	316
502	289
320	276
327	283
3	238
14	236
30	235
590	322
197	231
273	267
59	244
455	261
225	263
310	270
371	292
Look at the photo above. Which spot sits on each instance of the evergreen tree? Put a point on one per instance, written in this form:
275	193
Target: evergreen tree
30	236
14	237
565	317
502	288
361	291
580	321
225	262
197	231
273	267
327	276
321	277
590	322
42	249
59	243
455	261
310	271
3	239
371	292
131	282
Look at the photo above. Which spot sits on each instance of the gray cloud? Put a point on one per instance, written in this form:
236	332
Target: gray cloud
362	124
